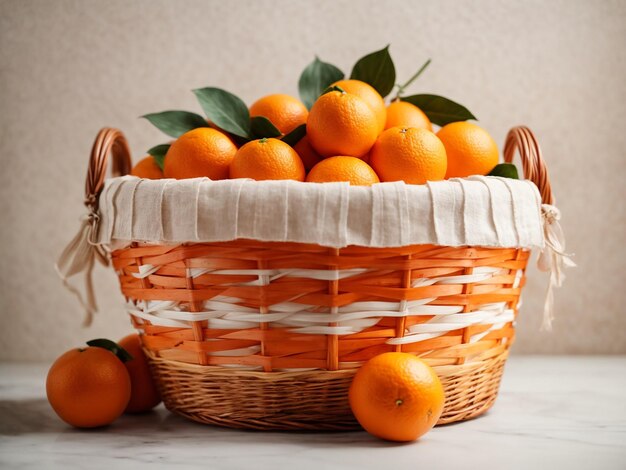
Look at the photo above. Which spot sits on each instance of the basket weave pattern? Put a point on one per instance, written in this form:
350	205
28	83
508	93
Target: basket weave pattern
304	401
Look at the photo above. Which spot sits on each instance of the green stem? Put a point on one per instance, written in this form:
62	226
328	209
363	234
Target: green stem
412	79
333	88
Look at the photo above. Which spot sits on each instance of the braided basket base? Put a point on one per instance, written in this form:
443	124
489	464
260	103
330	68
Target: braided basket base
307	401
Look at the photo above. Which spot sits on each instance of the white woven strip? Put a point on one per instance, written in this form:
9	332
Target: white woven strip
146	270
197	272
387	306
224	312
438	326
157	320
329	330
296	317
156	305
311	323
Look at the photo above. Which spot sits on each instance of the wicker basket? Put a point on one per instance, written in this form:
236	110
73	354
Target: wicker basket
296	380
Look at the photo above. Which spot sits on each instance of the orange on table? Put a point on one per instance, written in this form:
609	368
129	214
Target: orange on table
368	94
147	168
143	392
285	111
341	124
408	154
405	114
396	396
267	159
470	149
88	387
200	152
350	169
307	153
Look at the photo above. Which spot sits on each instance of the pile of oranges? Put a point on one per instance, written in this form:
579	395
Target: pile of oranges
349	134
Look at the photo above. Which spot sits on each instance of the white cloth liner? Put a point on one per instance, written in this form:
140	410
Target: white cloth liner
476	211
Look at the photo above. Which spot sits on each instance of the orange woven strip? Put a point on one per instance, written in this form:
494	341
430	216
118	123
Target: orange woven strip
367	353
286	348
434	344
216	345
373	332
186	333
181	295
275	334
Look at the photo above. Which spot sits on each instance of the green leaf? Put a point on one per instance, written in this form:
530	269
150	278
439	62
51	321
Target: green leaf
440	110
295	135
176	123
505	170
315	78
239	141
225	110
260	127
112	346
158	153
378	70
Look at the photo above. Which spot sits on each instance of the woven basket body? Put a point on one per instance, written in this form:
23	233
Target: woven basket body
268	335
248	368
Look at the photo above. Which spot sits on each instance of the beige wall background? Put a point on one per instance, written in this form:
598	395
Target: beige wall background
68	68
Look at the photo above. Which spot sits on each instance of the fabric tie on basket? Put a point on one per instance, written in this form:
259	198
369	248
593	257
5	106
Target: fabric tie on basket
552	259
475	211
78	257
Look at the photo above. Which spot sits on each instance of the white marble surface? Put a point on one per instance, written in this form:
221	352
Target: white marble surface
552	412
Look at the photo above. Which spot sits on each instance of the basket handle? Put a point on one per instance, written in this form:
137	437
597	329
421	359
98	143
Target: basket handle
552	258
522	139
80	255
111	142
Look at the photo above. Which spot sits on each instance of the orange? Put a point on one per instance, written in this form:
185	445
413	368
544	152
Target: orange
147	168
403	114
88	387
200	152
143	392
408	154
267	159
341	124
470	149
351	169
307	153
285	112
368	94
396	396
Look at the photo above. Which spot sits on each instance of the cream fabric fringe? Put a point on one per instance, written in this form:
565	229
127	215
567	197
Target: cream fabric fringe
479	211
